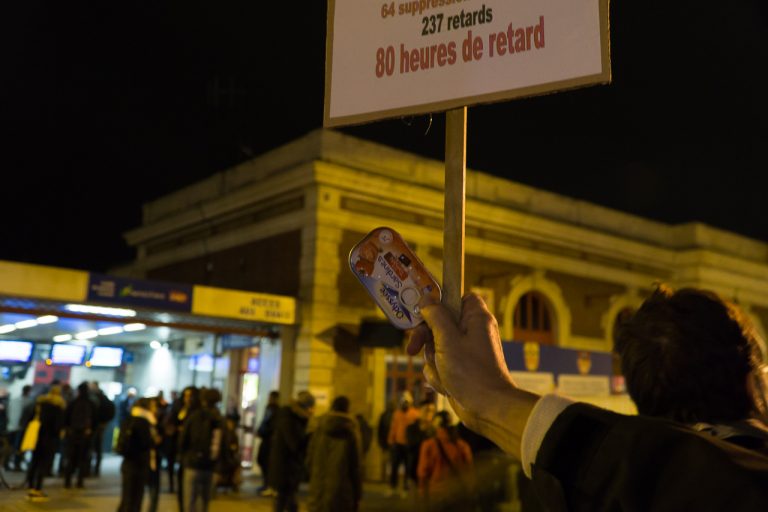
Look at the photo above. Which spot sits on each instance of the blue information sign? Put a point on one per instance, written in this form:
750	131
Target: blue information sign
139	293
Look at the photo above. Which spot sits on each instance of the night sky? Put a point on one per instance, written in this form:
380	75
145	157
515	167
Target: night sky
105	105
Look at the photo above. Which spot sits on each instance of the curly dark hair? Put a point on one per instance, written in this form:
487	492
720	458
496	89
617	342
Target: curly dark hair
686	355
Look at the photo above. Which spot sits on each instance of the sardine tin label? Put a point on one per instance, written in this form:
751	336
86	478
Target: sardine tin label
394	276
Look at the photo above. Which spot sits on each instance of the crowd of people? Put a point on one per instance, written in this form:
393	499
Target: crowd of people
59	421
693	366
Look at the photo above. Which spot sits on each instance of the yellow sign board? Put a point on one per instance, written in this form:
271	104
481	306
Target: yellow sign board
257	307
38	281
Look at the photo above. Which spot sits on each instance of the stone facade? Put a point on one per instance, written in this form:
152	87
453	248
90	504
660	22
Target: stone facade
284	223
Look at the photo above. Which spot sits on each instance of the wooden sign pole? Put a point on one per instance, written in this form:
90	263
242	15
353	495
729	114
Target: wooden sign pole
453	215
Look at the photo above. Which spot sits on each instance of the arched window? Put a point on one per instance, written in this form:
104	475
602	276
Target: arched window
533	319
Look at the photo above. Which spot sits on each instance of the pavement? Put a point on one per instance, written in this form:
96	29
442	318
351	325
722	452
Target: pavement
103	494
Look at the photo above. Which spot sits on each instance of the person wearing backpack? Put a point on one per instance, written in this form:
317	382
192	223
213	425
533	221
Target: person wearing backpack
137	443
79	419
200	446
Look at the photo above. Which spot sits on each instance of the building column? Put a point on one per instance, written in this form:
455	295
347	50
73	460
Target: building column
315	358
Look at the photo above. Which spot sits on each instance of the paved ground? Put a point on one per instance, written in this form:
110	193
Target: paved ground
102	494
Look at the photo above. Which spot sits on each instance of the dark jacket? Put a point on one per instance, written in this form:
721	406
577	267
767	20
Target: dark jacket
137	442
200	439
105	409
80	414
51	410
266	429
592	459
289	444
334	460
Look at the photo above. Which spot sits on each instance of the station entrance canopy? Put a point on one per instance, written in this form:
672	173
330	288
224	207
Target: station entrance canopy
84	306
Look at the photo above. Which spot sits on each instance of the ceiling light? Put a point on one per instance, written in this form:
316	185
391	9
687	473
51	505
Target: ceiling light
86	335
26	324
4	329
134	327
106	331
99	310
62	337
154	344
47	319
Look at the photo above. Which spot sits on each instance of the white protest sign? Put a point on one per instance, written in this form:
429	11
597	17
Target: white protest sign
403	57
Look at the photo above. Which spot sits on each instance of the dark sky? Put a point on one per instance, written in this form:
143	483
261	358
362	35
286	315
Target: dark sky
105	105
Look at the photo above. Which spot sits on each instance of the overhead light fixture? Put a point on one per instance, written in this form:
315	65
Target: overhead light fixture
86	335
154	344
99	310
4	329
26	324
47	319
134	327
106	331
62	337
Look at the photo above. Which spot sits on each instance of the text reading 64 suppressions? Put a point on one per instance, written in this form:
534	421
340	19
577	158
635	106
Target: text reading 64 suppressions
515	39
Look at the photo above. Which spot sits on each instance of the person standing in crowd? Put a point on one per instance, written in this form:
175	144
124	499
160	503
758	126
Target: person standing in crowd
402	417
126	405
180	411
265	433
227	471
366	433
61	444
21	411
153	481
334	461
49	410
136	443
289	444
79	420
446	481
200	446
415	434
105	413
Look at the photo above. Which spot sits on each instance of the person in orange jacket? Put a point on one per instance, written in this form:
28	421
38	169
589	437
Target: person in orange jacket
445	470
403	416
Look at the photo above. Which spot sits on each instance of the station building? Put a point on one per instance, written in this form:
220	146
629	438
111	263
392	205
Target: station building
558	273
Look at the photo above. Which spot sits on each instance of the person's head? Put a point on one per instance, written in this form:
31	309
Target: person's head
54	390
144	403
26	390
131	392
274	398
306	401
444	421
83	389
689	356
406	400
340	404
190	396
210	397
427	410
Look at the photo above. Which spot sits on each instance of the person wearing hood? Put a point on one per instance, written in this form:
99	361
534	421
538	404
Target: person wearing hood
49	410
289	443
137	444
334	460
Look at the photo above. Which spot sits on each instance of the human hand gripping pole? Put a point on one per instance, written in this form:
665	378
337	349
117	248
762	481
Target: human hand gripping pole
464	361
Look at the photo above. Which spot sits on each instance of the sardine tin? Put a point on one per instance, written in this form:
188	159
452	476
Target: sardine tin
394	276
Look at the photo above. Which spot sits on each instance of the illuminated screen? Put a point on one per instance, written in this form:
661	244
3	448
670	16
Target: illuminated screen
15	351
106	356
64	354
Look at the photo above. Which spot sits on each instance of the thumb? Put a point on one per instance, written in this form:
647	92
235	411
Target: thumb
440	321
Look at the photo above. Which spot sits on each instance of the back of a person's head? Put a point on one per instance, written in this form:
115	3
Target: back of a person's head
340	404
687	356
82	389
210	397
